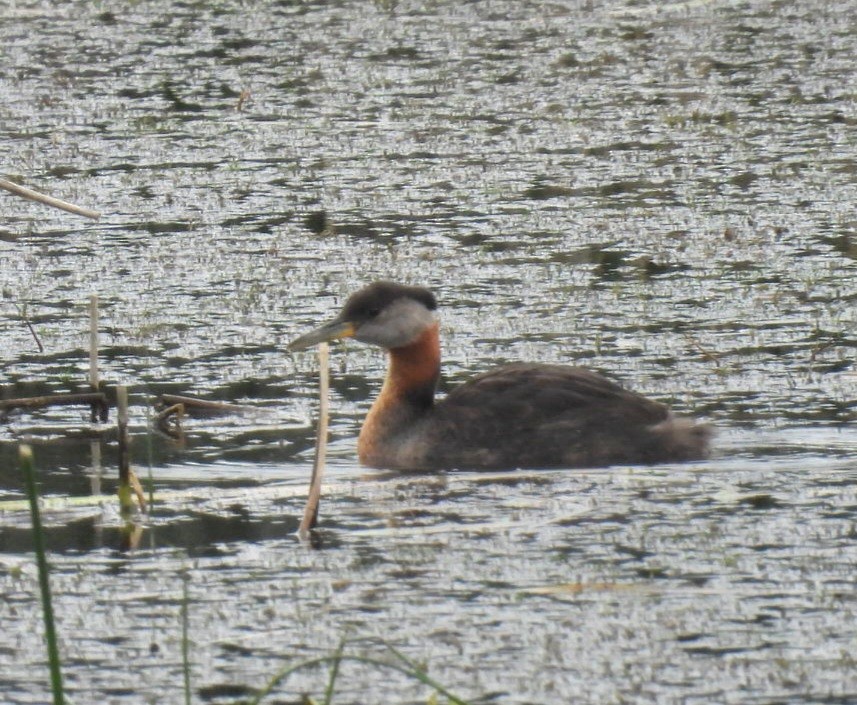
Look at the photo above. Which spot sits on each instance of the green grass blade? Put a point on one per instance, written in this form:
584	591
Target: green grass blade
185	638
283	675
334	672
411	671
150	458
26	455
421	675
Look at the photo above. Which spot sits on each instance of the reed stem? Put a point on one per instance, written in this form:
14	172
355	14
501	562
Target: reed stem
310	518
126	505
99	412
93	342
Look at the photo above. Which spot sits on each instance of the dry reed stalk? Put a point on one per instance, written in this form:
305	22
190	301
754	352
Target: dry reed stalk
25	192
93	342
310	518
128	480
137	487
95	477
99	412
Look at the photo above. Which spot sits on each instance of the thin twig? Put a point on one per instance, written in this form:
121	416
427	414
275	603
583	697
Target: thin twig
35	336
22	312
25	192
705	352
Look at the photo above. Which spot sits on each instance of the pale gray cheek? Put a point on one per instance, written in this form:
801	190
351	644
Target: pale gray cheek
374	334
400	324
365	334
387	334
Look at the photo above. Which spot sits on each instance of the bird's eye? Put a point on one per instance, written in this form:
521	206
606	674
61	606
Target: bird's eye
373	312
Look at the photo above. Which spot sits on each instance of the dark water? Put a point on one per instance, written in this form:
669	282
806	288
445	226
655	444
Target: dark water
664	192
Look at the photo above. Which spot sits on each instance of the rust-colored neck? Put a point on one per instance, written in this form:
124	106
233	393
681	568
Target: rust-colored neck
414	369
407	394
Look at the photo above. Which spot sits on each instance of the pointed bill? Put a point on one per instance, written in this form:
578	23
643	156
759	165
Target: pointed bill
334	330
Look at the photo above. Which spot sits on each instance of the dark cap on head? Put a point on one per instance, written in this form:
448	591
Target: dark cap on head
374	298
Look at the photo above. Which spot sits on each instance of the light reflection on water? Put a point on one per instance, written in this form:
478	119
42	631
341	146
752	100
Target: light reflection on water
664	196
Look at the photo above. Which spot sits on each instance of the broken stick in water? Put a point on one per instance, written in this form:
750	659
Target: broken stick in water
311	510
169	421
172	408
53	400
203	406
25	192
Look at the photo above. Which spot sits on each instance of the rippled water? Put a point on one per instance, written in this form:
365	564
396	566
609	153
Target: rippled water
664	192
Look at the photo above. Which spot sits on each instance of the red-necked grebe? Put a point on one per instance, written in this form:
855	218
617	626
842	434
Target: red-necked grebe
524	415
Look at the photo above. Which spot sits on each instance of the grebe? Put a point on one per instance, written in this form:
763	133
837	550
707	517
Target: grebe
523	415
